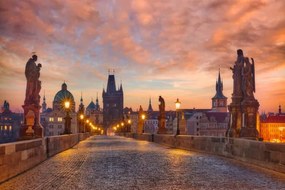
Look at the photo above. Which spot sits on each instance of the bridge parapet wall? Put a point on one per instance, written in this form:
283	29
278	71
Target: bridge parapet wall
17	157
264	154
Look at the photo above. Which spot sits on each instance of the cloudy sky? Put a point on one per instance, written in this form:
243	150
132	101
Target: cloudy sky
169	48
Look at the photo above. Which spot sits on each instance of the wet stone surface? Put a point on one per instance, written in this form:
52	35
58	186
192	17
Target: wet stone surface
119	163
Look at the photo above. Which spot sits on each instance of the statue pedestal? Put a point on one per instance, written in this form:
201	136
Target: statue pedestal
161	125
235	117
249	110
31	128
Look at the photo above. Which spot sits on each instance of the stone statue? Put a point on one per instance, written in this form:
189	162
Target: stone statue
161	105
6	105
244	107
237	73
161	117
248	85
32	73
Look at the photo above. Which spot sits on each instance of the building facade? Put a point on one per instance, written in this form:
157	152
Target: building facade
214	124
10	124
113	103
272	127
53	119
95	113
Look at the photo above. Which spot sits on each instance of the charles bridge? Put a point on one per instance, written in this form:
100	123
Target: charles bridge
141	161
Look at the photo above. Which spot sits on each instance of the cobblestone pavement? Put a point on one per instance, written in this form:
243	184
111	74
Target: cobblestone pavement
119	163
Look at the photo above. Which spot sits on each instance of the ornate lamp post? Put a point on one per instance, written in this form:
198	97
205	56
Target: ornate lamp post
81	123
143	118
177	106
67	124
129	125
123	128
87	122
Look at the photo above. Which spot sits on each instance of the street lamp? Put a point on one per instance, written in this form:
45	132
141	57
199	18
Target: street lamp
67	124
177	105
86	127
143	118
129	125
81	123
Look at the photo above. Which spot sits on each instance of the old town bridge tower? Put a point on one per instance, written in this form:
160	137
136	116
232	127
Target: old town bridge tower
113	103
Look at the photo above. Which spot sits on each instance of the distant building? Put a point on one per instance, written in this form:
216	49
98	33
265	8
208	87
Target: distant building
95	113
10	124
214	124
208	123
219	101
113	103
53	119
272	127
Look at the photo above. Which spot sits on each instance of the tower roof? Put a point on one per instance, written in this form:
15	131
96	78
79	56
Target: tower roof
149	106
91	106
219	88
111	86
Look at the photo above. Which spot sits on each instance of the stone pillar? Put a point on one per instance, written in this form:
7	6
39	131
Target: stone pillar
31	128
235	117
162	124
249	109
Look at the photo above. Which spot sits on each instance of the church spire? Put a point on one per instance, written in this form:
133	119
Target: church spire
44	105
149	106
219	101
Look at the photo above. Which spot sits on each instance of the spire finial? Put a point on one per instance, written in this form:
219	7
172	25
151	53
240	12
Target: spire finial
44	96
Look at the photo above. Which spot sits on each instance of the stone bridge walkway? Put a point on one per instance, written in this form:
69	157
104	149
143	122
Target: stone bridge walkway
119	163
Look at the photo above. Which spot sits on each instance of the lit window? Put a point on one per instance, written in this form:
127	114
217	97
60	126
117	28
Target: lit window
5	127
10	128
59	119
51	119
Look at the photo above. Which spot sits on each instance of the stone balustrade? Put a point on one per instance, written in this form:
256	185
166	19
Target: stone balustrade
264	154
17	157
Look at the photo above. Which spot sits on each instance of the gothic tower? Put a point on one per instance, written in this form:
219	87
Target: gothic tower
219	101
113	103
44	104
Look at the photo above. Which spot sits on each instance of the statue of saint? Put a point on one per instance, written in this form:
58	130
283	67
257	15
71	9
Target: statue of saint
161	105
237	73
32	73
248	85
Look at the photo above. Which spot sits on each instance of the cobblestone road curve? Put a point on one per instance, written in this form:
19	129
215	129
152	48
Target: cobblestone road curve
119	163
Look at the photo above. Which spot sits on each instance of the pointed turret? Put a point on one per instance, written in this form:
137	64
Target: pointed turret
149	106
44	105
81	108
121	87
219	101
97	103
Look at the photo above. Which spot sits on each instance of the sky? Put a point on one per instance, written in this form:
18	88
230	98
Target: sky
169	48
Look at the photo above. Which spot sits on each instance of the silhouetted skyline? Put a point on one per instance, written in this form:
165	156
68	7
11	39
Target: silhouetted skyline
156	48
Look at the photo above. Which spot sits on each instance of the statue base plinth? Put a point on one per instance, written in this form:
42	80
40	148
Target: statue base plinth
249	133
231	132
31	128
162	131
31	132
